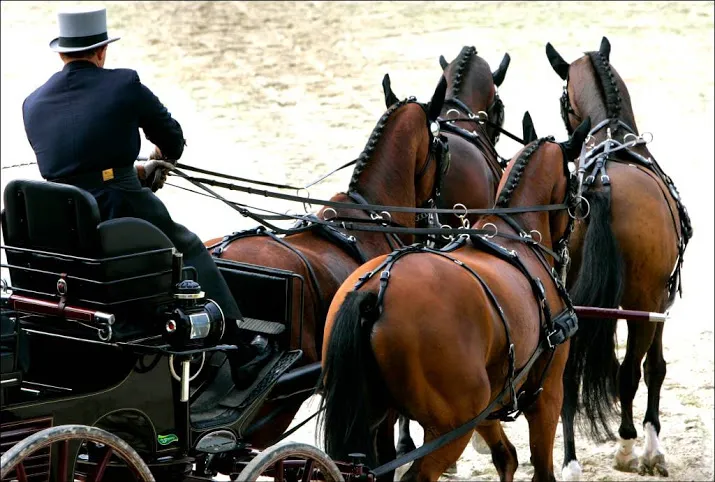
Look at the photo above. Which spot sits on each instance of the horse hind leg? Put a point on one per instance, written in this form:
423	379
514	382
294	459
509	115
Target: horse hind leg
432	466
503	452
653	459
543	414
571	470
640	337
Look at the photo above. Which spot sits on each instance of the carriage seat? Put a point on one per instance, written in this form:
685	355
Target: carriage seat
65	220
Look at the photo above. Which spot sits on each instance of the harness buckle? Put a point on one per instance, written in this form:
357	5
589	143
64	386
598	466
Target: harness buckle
385	275
605	180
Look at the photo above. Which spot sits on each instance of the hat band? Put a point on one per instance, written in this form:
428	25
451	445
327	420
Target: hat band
82	41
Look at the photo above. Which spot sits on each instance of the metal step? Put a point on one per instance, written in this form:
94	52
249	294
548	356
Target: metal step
261	326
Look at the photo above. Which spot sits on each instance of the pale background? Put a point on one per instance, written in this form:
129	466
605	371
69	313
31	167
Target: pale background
286	91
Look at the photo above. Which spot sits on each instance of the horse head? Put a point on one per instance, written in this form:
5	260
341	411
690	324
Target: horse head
593	89
474	85
405	156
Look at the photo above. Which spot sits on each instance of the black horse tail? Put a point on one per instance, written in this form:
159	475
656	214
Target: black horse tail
350	381
592	363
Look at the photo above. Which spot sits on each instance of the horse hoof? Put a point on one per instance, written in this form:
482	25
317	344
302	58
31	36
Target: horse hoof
655	465
571	471
452	469
479	445
627	463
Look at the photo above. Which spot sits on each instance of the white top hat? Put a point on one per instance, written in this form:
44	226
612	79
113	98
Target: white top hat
82	29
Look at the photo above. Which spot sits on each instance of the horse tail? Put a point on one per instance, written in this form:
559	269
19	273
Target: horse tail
349	381
592	363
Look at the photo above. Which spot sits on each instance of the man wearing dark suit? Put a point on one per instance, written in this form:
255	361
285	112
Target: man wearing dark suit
83	125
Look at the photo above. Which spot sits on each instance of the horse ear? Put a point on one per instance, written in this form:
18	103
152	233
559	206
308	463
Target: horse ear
572	147
390	97
499	74
443	62
437	101
527	126
605	48
557	62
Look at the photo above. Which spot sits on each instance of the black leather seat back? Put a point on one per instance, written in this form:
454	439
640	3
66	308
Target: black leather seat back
125	236
64	219
51	217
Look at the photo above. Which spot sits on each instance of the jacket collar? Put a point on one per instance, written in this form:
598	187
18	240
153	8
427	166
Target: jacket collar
79	64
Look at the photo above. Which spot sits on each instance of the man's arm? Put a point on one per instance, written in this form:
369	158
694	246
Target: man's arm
160	128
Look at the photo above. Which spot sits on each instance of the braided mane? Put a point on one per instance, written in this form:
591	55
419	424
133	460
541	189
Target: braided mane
462	66
607	80
517	171
368	151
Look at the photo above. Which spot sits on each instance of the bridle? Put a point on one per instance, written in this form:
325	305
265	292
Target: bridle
438	151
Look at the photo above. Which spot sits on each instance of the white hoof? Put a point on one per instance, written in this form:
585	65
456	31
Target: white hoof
571	471
653	460
480	445
626	459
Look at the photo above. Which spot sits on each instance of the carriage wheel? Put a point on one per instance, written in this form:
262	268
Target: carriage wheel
291	461
62	435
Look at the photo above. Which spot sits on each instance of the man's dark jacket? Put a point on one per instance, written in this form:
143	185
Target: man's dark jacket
85	120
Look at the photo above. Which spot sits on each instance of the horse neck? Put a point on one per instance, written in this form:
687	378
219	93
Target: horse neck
595	106
389	175
537	187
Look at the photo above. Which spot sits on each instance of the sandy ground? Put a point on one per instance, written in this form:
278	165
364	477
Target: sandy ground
287	91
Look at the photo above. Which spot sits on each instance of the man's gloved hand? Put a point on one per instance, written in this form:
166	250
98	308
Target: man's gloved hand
154	173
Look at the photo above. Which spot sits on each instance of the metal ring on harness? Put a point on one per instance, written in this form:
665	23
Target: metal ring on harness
335	214
462	217
643	136
482	117
177	377
307	196
588	210
105	333
532	235
452	110
496	230
446	237
628	136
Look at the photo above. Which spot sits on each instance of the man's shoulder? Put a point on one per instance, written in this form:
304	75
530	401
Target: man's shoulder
128	75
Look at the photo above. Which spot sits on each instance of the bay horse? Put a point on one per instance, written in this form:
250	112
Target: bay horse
474	170
633	244
399	166
438	335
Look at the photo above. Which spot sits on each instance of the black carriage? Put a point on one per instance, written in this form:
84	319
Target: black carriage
112	359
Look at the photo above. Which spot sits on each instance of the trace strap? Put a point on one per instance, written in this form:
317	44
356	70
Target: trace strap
366	207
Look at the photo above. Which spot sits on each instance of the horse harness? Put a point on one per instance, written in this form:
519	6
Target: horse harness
495	162
593	162
555	330
438	150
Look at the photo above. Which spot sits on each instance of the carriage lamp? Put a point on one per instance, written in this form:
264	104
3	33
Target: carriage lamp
194	319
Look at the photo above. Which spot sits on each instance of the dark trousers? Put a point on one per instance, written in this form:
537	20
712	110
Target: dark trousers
125	197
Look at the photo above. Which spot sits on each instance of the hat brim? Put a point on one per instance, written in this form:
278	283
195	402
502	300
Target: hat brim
54	45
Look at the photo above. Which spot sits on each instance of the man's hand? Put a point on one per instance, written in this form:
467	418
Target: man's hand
156	154
153	173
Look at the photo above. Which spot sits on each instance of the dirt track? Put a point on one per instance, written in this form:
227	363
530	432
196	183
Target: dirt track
287	91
